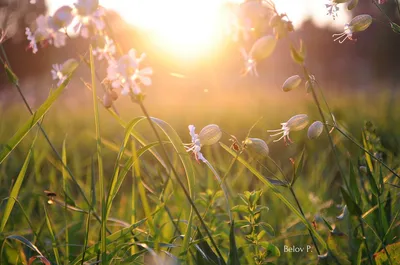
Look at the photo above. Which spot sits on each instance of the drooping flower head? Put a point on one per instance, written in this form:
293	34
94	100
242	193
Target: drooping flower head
209	135
88	15
61	72
295	123
48	29
332	7
125	73
357	24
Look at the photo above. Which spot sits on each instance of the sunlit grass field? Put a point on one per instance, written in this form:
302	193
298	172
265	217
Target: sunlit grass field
148	214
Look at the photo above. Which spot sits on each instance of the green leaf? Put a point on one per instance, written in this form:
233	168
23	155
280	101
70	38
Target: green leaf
372	183
204	252
53	237
353	184
381	257
271	249
28	125
277	193
298	55
298	168
15	191
233	258
354	209
10	75
241	209
395	27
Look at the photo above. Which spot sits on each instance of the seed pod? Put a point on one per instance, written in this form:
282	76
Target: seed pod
291	83
360	23
363	169
315	130
69	66
257	146
263	48
107	100
297	122
210	134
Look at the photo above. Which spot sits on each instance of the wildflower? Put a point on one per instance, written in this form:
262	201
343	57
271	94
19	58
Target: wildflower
315	130
260	50
357	24
332	7
125	73
295	123
88	14
343	214
47	32
209	135
291	83
61	71
57	73
195	147
107	51
62	18
257	146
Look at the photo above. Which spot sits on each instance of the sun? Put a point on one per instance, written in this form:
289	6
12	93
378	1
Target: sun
187	28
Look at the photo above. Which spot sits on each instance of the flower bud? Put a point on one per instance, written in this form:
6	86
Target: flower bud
257	146
297	122
275	20
62	18
360	23
263	48
363	169
107	100
315	130
291	83
210	134
114	95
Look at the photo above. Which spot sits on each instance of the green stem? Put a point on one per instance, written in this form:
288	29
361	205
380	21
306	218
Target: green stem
179	180
302	213
365	150
365	241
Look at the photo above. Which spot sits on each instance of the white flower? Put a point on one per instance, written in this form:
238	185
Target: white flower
125	73
107	51
88	13
250	65
357	24
57	73
46	32
332	7
195	146
295	123
32	2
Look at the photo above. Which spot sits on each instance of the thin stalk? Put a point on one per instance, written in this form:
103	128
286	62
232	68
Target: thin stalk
99	164
301	211
365	240
17	86
179	180
365	150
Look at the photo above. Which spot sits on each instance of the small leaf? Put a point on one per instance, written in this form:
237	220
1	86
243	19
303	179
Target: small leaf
381	257
298	55
267	228
233	258
351	204
271	249
299	167
327	224
353	184
10	75
240	209
395	27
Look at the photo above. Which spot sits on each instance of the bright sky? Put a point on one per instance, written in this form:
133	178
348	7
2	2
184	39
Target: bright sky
189	26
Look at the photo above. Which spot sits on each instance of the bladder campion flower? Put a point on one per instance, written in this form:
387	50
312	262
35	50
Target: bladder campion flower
47	32
332	7
291	83
260	50
209	135
256	146
125	73
107	49
315	130
295	123
88	15
61	71
357	24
